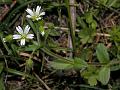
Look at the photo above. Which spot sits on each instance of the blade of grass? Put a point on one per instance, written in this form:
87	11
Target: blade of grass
13	71
47	51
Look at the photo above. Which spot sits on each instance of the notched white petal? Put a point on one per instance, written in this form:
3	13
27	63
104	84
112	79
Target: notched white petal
42	13
22	42
30	11
16	36
19	29
30	36
28	16
35	14
42	33
38	18
38	10
4	40
27	28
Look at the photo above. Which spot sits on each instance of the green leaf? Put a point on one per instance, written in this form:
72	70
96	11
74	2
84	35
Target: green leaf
60	65
1	67
5	1
104	75
116	66
103	2
81	22
52	43
54	33
2	87
29	64
32	47
79	63
90	71
9	38
86	35
111	3
32	25
115	33
52	30
94	24
117	4
89	17
15	72
47	51
102	53
92	80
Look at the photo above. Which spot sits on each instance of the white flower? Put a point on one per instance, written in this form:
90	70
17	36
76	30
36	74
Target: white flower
23	34
35	14
4	39
42	33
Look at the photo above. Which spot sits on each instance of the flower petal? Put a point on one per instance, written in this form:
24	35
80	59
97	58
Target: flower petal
42	33
22	42
16	36
38	10
38	18
28	16
30	11
27	28
19	29
4	39
30	36
42	13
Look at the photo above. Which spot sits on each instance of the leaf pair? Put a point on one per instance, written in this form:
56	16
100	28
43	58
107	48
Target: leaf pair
103	57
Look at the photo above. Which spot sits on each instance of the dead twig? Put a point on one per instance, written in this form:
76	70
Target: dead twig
29	55
41	81
77	30
6	9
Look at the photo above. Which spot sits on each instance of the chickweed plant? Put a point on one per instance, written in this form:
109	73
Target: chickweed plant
36	43
24	36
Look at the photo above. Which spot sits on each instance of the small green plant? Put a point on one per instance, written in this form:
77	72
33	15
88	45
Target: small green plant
36	40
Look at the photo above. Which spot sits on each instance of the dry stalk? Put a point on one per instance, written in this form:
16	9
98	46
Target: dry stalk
77	30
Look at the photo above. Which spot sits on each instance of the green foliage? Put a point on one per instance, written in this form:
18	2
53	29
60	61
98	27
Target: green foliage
114	66
51	43
20	73
32	47
103	2
86	54
92	80
88	31
94	63
2	86
58	64
104	75
81	22
91	74
116	4
110	3
102	54
86	35
1	67
77	63
115	34
5	1
29	64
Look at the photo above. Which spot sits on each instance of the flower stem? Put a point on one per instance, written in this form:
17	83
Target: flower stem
71	23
